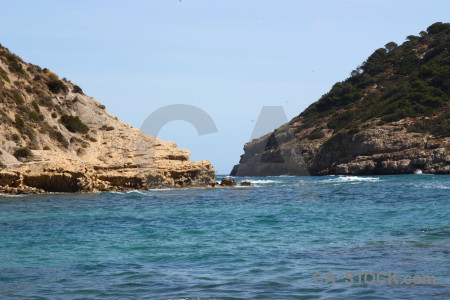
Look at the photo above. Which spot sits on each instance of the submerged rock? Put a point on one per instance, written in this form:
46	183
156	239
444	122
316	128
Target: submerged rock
228	182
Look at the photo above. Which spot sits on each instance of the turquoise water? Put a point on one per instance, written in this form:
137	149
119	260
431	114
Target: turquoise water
262	242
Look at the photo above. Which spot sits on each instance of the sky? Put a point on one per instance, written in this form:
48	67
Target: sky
227	59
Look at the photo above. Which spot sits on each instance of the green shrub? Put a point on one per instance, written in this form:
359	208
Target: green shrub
36	106
439	126
315	134
17	97
14	64
397	115
340	95
35	116
77	89
23	153
438	27
56	86
15	137
107	128
53	133
46	101
341	120
4	75
22	109
31	135
19	121
74	124
58	136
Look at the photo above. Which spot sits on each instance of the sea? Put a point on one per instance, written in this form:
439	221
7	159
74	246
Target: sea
330	237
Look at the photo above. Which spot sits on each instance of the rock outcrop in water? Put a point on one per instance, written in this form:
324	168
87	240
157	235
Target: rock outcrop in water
391	116
54	138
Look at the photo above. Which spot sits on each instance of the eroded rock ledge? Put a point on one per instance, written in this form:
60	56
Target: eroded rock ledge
150	165
49	171
36	179
378	150
123	159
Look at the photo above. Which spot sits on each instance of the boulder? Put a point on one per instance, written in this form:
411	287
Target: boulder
228	182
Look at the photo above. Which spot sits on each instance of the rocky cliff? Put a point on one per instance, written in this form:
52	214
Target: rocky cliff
391	116
54	138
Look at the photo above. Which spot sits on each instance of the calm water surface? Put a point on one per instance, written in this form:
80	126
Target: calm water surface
262	242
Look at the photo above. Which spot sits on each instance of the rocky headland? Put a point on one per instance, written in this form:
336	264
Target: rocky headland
391	116
54	138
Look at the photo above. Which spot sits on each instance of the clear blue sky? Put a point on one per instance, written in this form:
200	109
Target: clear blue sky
227	57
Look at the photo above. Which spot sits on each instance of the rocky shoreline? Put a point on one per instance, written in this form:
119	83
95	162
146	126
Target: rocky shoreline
382	150
67	182
89	180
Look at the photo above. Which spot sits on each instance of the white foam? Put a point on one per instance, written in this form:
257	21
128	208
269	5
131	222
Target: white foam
342	179
11	196
135	192
436	186
263	181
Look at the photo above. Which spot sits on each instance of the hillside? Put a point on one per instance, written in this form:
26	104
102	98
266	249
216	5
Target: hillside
391	116
54	138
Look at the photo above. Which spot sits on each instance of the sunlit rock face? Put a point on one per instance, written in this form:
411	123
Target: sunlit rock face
54	138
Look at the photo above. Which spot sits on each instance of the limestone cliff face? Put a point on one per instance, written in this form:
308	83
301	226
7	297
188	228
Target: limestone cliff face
391	116
386	149
54	138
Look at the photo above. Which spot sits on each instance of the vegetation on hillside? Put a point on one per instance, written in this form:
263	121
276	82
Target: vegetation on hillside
27	92
395	82
74	124
23	153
